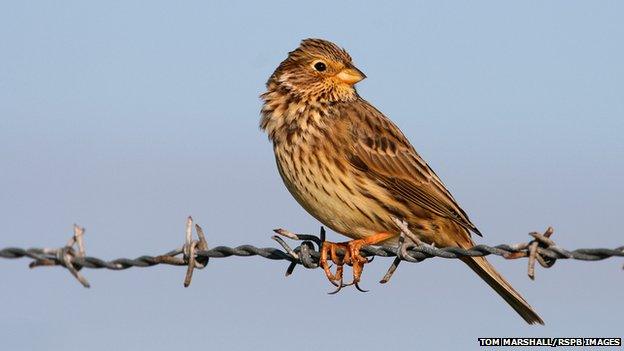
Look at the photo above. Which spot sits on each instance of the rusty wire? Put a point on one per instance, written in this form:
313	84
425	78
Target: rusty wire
195	253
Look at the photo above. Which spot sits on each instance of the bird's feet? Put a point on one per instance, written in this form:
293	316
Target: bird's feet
350	256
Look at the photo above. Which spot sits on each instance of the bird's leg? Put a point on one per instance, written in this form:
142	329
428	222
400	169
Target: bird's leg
357	260
331	248
351	257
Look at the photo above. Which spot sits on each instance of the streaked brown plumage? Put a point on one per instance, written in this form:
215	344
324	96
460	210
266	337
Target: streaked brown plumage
350	167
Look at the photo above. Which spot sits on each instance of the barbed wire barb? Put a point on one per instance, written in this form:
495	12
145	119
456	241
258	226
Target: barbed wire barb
195	254
65	256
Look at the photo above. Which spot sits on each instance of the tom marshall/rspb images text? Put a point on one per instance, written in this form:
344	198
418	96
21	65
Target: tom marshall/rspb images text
552	342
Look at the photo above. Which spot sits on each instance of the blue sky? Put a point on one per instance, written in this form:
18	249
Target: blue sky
127	116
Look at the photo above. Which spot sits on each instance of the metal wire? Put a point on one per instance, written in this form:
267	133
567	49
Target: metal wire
195	253
418	253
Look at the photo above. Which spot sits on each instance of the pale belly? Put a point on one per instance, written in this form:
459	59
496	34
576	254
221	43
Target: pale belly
333	198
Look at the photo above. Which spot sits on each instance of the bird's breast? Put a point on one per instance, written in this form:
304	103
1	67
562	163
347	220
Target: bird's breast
318	177
311	144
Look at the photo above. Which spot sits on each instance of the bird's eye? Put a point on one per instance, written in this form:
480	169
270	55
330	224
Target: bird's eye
320	66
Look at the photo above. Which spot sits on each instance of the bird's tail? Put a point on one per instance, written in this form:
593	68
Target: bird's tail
487	272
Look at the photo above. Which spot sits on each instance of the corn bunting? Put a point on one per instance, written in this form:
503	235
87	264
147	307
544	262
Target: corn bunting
352	168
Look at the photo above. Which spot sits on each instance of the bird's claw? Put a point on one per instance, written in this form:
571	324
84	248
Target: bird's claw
357	286
350	257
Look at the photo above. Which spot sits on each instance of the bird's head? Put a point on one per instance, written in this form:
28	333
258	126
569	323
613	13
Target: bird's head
318	69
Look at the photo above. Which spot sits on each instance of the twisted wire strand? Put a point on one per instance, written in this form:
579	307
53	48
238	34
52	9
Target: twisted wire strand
418	253
195	253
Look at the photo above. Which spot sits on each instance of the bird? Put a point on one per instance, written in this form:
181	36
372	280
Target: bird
353	169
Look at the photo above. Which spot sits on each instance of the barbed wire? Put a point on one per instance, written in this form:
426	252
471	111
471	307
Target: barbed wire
195	253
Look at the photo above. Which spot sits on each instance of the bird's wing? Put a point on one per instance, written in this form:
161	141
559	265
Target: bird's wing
381	150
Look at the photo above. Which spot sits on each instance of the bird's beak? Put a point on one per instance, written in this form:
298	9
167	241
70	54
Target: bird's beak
350	75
